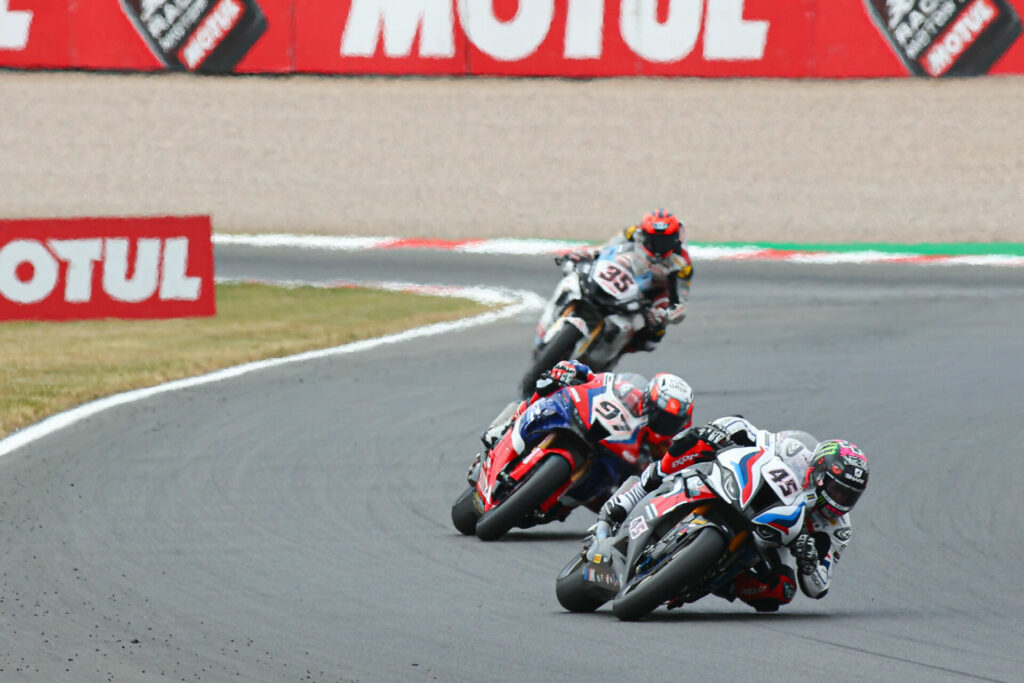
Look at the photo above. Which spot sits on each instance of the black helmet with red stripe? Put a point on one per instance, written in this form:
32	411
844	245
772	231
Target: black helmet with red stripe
661	234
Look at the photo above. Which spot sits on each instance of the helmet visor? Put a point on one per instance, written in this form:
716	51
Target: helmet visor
661	244
665	423
839	495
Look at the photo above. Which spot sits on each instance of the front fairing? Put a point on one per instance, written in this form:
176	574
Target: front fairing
610	284
548	414
759	485
607	412
566	292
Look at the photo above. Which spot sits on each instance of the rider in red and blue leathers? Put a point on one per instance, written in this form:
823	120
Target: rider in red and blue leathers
661	410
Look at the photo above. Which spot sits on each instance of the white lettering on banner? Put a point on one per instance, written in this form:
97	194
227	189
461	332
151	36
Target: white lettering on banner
398	21
142	284
507	41
584	26
728	36
42	280
175	284
29	272
80	256
656	41
211	32
897	9
959	37
14	27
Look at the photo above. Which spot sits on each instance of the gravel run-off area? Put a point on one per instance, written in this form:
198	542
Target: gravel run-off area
773	160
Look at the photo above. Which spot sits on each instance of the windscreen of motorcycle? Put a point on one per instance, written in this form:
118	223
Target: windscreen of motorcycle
614	280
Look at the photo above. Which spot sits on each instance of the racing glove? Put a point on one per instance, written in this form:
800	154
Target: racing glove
656	316
564	373
600	530
576	255
675	314
805	551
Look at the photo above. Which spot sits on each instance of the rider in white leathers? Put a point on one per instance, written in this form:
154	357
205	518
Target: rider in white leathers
655	252
834	475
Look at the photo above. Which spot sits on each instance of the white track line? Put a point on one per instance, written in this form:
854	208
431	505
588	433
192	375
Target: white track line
514	302
533	247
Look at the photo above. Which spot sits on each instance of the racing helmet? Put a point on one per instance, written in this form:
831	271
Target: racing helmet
660	234
668	405
839	471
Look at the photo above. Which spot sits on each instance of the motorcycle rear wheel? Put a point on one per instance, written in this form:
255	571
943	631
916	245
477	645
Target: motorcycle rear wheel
559	348
575	594
527	497
685	567
464	512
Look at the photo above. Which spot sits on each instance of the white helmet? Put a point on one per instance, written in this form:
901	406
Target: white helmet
668	404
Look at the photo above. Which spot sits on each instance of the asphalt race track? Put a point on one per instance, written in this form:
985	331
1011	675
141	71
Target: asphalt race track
293	524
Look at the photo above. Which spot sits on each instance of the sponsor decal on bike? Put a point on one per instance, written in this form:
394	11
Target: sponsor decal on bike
637	527
603	575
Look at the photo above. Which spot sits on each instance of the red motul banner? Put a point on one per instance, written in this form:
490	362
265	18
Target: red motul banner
575	38
76	269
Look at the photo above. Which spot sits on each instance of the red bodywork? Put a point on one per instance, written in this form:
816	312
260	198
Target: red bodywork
500	456
582	396
665	504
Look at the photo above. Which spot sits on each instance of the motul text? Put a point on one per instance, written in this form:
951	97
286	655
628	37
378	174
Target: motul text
100	268
563	38
648	32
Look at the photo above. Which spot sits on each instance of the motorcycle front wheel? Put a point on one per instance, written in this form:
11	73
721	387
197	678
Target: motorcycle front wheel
464	512
688	564
573	593
540	484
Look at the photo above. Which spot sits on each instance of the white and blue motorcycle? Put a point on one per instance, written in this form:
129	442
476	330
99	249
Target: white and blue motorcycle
690	537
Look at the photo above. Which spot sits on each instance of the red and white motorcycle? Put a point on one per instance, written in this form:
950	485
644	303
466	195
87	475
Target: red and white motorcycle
587	443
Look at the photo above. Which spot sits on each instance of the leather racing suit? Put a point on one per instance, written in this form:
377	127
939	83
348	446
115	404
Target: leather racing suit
665	282
764	591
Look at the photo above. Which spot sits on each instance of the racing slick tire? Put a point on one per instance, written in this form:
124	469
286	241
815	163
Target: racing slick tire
545	479
687	565
558	349
575	594
464	514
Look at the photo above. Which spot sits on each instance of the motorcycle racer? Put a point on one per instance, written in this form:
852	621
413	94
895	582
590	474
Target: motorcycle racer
655	252
661	410
835	475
